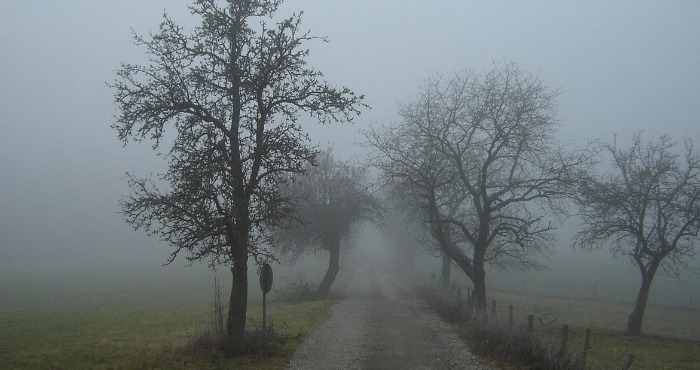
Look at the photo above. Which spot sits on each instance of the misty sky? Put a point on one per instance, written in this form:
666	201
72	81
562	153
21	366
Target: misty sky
622	66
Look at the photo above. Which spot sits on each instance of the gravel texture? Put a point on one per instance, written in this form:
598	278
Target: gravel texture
380	324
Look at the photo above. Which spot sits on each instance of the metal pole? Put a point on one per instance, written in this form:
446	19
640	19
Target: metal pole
264	324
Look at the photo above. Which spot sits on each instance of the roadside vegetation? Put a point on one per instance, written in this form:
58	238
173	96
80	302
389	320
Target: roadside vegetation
670	342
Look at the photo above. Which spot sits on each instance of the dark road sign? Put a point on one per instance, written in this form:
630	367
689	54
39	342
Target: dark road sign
266	278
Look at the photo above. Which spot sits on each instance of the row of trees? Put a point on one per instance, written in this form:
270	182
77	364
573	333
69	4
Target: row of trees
477	155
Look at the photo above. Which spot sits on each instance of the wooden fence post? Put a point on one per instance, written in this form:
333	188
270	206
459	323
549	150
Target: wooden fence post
459	300
628	362
564	337
586	344
510	315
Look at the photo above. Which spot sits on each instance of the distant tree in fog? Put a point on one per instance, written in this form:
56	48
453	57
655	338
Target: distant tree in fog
224	98
414	197
329	199
479	155
403	236
648	206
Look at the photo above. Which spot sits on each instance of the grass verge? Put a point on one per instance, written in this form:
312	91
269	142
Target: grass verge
138	335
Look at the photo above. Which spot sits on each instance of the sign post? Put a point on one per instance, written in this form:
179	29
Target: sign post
266	286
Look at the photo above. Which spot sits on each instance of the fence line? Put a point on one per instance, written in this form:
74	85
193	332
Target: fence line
467	310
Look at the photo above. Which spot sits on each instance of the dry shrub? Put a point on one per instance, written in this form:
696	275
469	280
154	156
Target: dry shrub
496	339
297	289
517	347
214	341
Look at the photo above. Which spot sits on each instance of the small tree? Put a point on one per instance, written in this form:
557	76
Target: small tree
330	198
648	205
481	155
231	90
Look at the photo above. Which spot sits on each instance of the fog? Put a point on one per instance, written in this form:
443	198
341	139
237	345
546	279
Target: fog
622	67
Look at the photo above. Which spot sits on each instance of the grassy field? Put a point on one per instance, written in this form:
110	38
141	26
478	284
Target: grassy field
671	340
133	325
132	328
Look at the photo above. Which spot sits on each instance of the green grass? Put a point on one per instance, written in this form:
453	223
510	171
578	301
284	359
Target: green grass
671	340
149	326
134	330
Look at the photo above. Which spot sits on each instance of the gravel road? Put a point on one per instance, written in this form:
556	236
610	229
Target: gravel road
381	324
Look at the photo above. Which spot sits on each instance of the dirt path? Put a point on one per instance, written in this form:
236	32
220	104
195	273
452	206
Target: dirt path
380	324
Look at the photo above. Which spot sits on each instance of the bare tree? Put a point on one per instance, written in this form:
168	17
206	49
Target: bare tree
331	198
648	206
231	90
480	153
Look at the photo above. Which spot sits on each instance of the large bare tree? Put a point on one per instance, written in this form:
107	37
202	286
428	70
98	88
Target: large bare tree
231	91
330	199
480	152
648	206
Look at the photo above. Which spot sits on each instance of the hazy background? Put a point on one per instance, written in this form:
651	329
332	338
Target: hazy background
622	67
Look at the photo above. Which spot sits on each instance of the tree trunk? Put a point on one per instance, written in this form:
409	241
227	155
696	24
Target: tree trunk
479	280
446	264
474	269
634	325
462	261
333	267
238	302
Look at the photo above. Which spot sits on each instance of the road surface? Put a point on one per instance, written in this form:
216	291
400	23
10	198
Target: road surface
381	324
